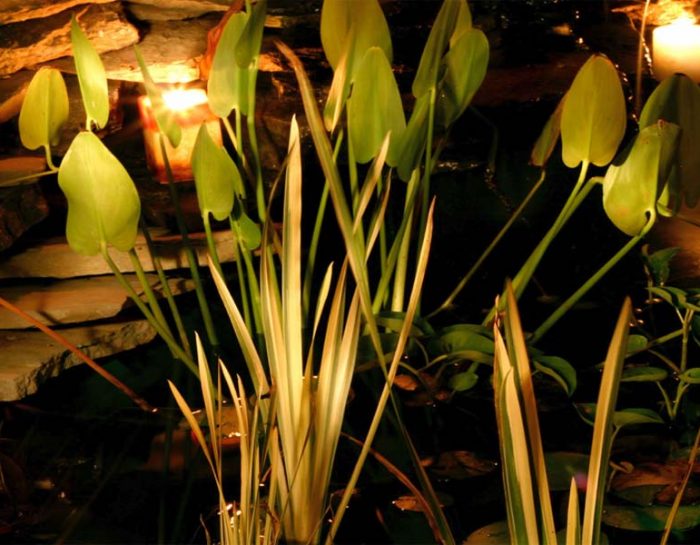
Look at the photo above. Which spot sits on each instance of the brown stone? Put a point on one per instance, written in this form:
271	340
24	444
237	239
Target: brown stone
13	11
29	358
74	301
54	259
14	168
33	42
12	92
168	10
20	207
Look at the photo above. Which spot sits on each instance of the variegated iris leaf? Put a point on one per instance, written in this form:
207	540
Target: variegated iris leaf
44	110
593	120
631	189
103	204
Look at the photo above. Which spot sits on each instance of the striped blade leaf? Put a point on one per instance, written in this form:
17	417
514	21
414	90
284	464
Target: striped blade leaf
44	110
103	204
215	176
593	120
573	517
91	78
603	427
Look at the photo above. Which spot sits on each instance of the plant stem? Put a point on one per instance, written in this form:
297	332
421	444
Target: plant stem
640	54
238	147
148	292
659	340
667	401
588	284
253	138
27	178
687	321
447	303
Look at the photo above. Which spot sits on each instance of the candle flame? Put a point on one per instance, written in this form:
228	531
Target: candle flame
179	100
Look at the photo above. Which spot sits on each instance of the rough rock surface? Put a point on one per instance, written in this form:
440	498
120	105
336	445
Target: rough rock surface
20	208
169	10
12	11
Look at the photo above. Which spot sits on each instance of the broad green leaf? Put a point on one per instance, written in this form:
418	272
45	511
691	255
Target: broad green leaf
248	230
165	120
659	263
413	139
215	176
364	18
630	190
103	204
394	321
677	100
603	427
248	46
633	416
559	369
44	110
227	87
674	296
564	466
644	374
463	24
457	339
651	518
340	88
462	382
91	78
465	63
691	376
547	141
438	40
374	109
593	119
635	343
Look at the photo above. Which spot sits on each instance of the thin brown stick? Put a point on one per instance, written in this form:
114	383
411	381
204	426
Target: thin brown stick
114	381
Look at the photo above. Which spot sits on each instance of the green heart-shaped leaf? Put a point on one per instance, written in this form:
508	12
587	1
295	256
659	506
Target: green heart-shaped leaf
363	19
593	120
44	110
91	77
677	100
375	108
466	63
103	204
248	46
215	176
630	190
228	82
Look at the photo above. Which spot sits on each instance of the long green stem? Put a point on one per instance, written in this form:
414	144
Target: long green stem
658	341
238	147
253	138
189	252
687	321
164	333
522	278
447	303
588	284
27	178
148	291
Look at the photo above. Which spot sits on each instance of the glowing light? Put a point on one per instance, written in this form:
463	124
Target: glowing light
179	100
676	49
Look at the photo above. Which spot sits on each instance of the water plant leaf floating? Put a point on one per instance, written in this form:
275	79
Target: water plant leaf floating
362	19
644	374
630	190
103	204
495	533
593	120
44	110
248	46
227	87
438	41
374	109
165	120
548	138
677	100
215	176
650	518
465	63
91	78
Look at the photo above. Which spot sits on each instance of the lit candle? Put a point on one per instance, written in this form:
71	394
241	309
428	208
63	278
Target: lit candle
189	108
676	48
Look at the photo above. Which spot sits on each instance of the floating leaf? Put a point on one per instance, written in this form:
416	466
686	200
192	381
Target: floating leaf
438	40
630	190
548	138
650	519
103	204
495	533
466	63
363	18
44	110
559	369
91	78
593	119
461	382
374	109
461	464
643	374
677	100
461	338
227	87
215	176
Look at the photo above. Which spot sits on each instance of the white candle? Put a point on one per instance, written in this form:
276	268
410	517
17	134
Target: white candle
676	48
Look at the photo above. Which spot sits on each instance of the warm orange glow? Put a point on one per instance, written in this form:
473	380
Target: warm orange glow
676	49
178	100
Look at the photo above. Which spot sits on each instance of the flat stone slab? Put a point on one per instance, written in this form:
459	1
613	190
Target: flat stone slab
33	42
53	258
76	301
13	11
168	10
21	206
29	358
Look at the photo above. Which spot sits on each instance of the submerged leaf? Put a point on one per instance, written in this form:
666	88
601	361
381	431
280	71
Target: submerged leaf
44	110
593	119
375	108
227	87
103	204
215	176
91	78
